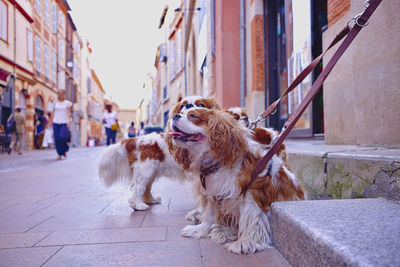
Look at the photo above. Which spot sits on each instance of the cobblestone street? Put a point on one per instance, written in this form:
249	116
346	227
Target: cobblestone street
56	213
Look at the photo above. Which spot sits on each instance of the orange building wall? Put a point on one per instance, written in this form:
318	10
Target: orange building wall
227	46
337	9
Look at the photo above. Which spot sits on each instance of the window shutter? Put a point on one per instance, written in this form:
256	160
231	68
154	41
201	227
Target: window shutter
46	61
3	21
29	37
54	17
38	62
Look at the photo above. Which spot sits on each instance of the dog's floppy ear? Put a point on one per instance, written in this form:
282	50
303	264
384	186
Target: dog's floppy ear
175	109
181	155
214	104
226	138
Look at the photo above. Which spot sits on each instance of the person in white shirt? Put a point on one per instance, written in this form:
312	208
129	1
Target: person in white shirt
110	121
60	118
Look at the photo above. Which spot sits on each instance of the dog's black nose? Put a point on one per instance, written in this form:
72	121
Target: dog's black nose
176	117
188	106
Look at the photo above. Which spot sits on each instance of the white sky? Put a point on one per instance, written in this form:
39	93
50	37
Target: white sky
124	36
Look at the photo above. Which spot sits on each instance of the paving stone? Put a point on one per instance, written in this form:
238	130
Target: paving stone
174	232
182	204
105	236
21	240
166	253
73	221
170	218
217	255
11	224
25	257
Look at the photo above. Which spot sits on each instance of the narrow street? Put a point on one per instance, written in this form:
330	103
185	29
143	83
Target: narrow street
57	213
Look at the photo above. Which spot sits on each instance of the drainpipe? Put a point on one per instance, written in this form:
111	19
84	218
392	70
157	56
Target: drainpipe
213	28
12	91
242	52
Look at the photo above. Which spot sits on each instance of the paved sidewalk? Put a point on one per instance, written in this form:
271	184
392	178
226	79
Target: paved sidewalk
56	213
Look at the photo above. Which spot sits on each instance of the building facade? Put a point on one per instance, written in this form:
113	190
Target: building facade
17	79
125	118
40	54
246	53
95	108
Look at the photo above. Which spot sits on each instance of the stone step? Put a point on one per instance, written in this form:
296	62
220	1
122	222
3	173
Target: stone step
343	171
343	232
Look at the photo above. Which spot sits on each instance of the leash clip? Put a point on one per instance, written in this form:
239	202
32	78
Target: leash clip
253	124
357	17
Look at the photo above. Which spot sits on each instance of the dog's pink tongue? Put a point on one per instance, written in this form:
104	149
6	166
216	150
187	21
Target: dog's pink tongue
178	134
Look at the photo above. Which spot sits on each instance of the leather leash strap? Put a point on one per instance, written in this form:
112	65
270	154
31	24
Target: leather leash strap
361	21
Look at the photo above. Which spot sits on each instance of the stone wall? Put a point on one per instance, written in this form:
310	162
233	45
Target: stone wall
361	95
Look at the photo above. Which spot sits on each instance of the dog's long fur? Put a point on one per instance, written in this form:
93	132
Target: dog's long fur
229	214
139	161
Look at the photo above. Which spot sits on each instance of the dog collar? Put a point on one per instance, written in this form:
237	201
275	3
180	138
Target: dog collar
207	169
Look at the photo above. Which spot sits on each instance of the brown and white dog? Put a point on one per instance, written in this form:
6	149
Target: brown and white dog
224	155
262	135
139	161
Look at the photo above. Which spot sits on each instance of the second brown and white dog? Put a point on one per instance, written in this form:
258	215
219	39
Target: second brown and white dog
139	161
264	136
224	155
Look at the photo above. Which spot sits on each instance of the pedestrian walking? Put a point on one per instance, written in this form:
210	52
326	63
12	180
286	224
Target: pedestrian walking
17	124
110	121
61	118
48	133
132	130
40	124
141	129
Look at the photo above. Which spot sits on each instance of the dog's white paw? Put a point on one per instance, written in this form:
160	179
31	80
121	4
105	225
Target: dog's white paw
140	206
196	231
239	247
194	216
220	234
152	200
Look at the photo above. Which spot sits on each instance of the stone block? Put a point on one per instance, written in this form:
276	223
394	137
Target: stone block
346	232
309	169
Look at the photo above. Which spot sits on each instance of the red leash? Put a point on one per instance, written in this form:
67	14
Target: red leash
360	20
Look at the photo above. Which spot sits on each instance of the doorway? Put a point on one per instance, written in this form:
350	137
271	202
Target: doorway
293	38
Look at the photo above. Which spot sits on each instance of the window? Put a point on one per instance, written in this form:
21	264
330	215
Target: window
179	51
53	67
75	71
46	62
38	6
61	80
46	12
61	16
88	85
61	52
38	55
29	39
164	92
3	20
54	9
172	60
166	115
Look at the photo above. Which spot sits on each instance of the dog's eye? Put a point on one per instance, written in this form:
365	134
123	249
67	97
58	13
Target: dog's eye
192	116
200	105
182	107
